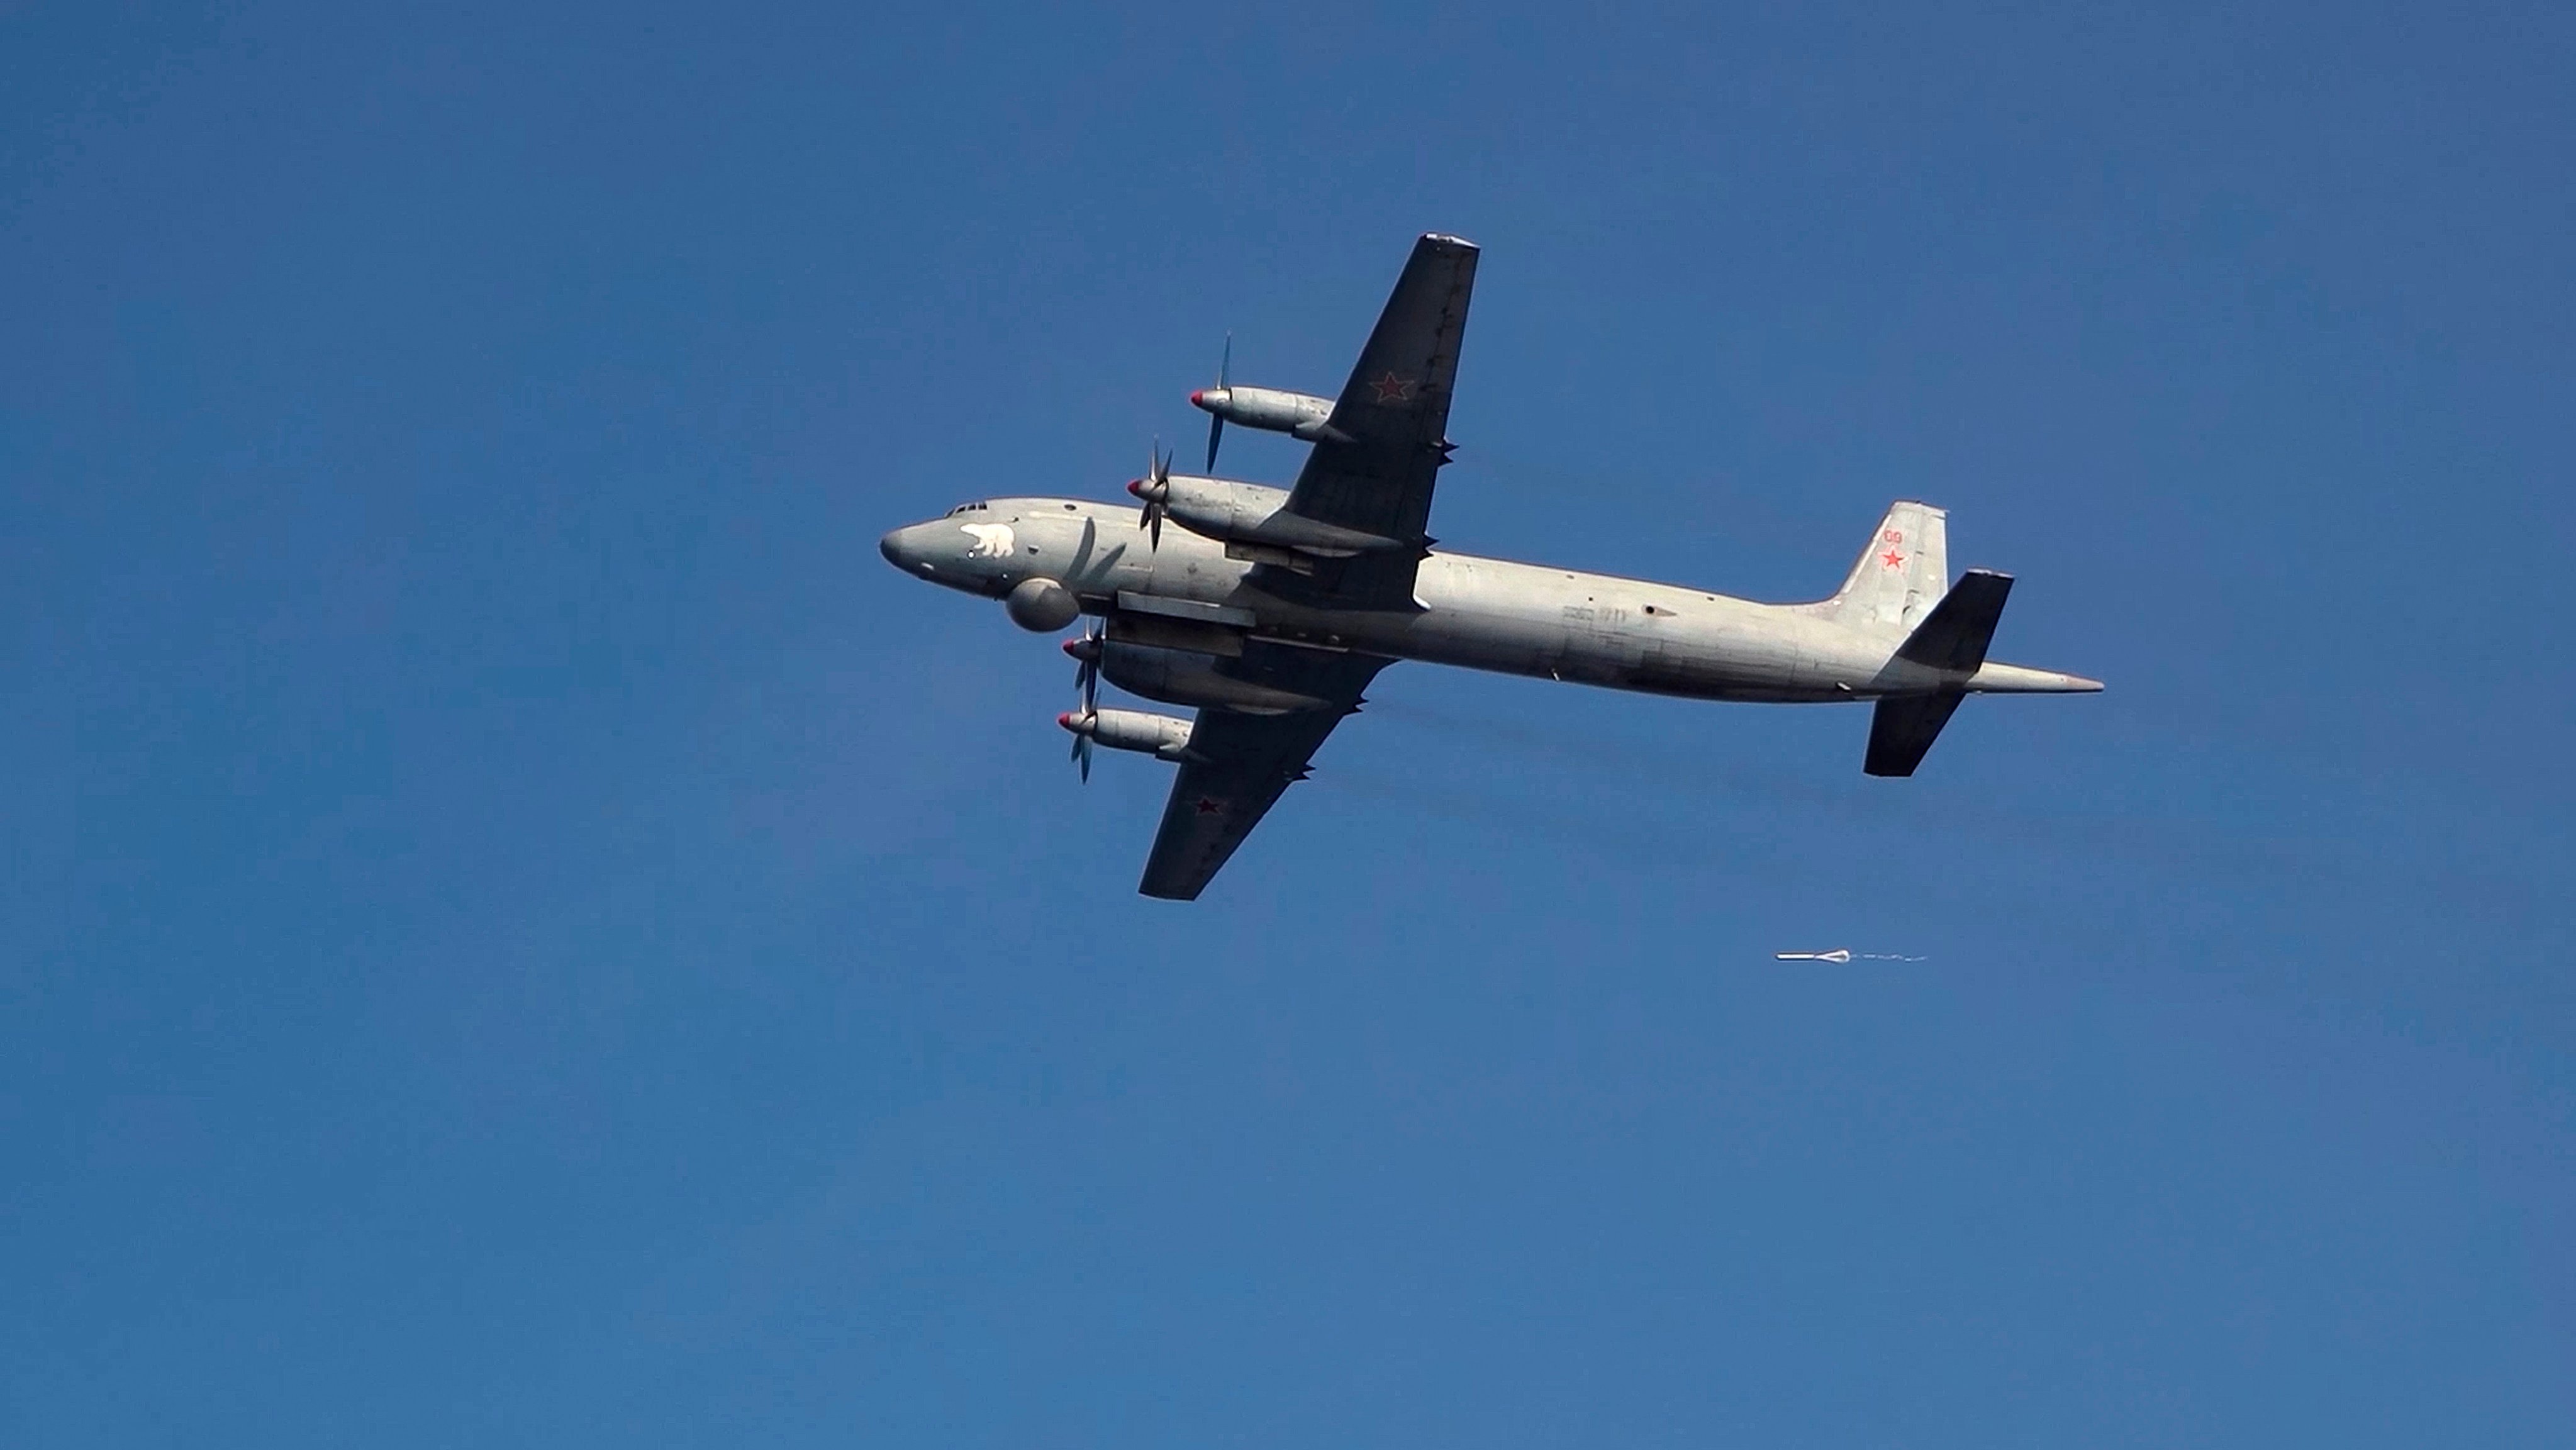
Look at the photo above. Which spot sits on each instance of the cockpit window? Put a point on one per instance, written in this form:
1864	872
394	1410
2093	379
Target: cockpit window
968	508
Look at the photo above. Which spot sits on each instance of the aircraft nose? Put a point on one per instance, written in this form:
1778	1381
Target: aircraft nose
901	548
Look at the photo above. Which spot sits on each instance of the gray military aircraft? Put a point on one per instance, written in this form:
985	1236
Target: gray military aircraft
1270	610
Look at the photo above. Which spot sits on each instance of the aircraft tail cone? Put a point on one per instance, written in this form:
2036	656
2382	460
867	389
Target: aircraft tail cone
1992	678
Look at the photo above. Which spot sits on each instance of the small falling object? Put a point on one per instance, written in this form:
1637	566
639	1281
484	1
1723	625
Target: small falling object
1839	954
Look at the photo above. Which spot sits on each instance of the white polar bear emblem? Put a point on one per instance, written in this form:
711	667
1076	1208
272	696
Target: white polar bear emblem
992	541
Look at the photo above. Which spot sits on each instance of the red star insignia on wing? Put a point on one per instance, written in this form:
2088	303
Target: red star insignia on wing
1207	806
1393	389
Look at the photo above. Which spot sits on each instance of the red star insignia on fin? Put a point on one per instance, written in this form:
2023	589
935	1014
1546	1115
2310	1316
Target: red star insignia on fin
1393	389
1207	807
1891	558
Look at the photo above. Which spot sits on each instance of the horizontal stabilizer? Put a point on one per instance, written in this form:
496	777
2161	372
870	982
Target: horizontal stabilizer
1904	727
1953	638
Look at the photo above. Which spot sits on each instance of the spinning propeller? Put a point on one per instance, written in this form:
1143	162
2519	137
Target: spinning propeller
1216	421
1081	753
1086	665
1086	680
1154	488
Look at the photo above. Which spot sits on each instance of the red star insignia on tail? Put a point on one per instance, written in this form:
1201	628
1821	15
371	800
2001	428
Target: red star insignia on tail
1393	389
1891	558
1207	807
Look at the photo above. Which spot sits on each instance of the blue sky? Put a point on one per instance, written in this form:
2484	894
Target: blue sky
516	926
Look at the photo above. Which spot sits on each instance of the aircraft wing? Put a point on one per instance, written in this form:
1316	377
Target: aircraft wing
1238	764
1389	429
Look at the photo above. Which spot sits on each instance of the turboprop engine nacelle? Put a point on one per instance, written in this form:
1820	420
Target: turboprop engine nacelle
1300	415
1247	513
1187	677
1160	736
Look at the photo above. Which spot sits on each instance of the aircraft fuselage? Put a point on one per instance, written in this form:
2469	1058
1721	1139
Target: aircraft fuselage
1479	613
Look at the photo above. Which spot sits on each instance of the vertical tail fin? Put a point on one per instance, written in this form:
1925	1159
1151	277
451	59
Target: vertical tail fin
1900	576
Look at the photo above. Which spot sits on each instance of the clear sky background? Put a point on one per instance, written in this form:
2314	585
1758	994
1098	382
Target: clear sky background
516	927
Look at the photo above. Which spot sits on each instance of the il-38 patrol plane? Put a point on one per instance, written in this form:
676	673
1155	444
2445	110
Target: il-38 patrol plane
1271	610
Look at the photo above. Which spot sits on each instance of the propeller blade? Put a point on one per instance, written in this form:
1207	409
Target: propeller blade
1082	756
1216	430
1225	361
